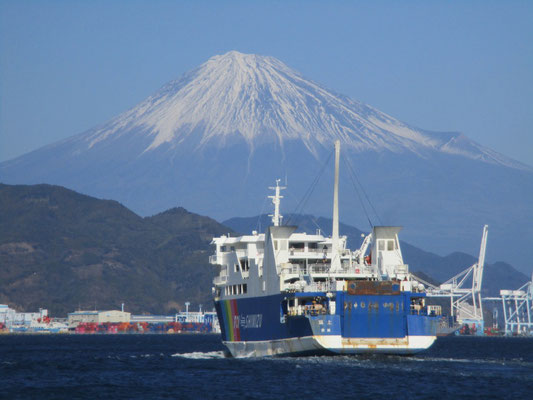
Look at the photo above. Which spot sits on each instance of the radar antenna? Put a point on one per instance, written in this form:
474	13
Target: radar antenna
276	200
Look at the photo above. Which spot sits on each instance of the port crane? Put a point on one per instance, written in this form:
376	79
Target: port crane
518	309
465	301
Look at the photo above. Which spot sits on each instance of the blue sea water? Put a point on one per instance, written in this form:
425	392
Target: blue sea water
194	367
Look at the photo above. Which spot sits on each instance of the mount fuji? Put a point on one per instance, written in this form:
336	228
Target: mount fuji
213	140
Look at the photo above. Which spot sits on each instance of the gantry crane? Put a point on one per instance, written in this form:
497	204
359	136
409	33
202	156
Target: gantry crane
465	302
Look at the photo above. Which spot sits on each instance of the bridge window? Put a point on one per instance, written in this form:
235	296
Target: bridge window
232	290
245	266
390	245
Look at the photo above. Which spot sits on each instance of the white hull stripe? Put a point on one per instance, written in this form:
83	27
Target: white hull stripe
331	343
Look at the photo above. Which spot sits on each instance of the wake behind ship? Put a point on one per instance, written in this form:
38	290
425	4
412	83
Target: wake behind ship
290	293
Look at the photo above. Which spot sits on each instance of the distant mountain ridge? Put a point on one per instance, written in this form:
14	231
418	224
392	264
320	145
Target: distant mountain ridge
216	138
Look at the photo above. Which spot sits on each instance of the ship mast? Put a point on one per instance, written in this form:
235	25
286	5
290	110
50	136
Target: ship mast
335	257
276	199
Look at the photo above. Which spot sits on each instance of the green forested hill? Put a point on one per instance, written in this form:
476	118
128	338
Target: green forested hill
62	250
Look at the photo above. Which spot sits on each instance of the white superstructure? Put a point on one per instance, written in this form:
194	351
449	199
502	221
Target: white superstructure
285	260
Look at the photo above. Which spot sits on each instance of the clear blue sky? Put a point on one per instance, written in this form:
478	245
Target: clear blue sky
66	66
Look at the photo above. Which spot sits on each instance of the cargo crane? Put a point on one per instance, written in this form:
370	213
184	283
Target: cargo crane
465	302
518	309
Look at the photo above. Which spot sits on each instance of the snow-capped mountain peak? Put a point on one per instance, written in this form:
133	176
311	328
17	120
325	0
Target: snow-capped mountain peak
259	99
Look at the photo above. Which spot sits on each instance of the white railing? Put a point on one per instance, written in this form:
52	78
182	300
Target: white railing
295	250
309	253
319	268
434	310
320	287
292	269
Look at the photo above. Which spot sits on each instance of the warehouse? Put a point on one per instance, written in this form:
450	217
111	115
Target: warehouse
97	317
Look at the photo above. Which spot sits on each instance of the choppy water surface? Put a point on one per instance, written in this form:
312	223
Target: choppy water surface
194	366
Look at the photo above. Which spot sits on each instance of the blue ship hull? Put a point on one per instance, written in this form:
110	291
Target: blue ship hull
260	326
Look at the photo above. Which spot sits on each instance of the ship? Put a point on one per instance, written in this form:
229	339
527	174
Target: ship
288	293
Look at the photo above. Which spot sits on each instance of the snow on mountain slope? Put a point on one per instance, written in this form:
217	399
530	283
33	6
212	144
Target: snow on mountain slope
260	99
